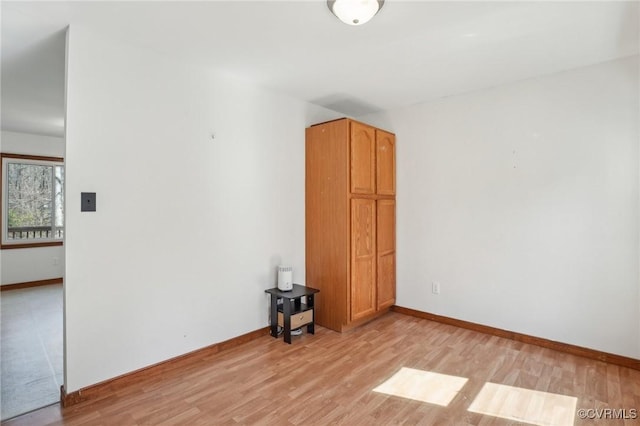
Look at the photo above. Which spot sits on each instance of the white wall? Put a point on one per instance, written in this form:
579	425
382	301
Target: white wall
522	201
31	144
32	264
188	229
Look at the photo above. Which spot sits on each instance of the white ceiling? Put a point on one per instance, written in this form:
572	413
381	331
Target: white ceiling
411	52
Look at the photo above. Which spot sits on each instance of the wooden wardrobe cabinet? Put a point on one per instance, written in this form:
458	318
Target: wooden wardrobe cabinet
350	221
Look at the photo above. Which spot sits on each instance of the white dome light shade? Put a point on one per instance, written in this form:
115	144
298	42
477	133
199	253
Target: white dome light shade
355	12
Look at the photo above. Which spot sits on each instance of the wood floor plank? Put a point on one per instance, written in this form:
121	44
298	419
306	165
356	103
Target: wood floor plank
329	377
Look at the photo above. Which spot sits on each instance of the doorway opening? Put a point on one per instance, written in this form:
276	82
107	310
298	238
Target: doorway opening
32	231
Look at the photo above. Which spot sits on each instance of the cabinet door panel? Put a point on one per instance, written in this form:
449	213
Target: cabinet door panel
386	253
363	161
363	258
385	163
386	280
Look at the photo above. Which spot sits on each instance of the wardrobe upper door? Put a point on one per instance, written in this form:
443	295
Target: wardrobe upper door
386	162
363	159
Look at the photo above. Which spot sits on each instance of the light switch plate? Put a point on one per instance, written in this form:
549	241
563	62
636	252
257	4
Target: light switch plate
88	202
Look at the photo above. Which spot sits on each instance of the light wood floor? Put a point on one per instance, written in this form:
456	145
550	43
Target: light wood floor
328	378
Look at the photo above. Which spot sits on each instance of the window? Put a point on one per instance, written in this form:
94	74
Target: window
32	201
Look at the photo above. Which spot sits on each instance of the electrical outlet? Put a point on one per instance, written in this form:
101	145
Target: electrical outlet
435	287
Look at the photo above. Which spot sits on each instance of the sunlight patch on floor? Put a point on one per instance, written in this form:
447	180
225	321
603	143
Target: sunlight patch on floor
524	405
423	386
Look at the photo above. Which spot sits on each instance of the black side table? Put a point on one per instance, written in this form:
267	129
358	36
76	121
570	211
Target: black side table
292	313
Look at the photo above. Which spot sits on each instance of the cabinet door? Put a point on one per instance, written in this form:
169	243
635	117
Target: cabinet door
385	162
363	160
363	258
386	246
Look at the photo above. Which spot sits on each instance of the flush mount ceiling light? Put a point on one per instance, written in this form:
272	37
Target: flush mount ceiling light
355	12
